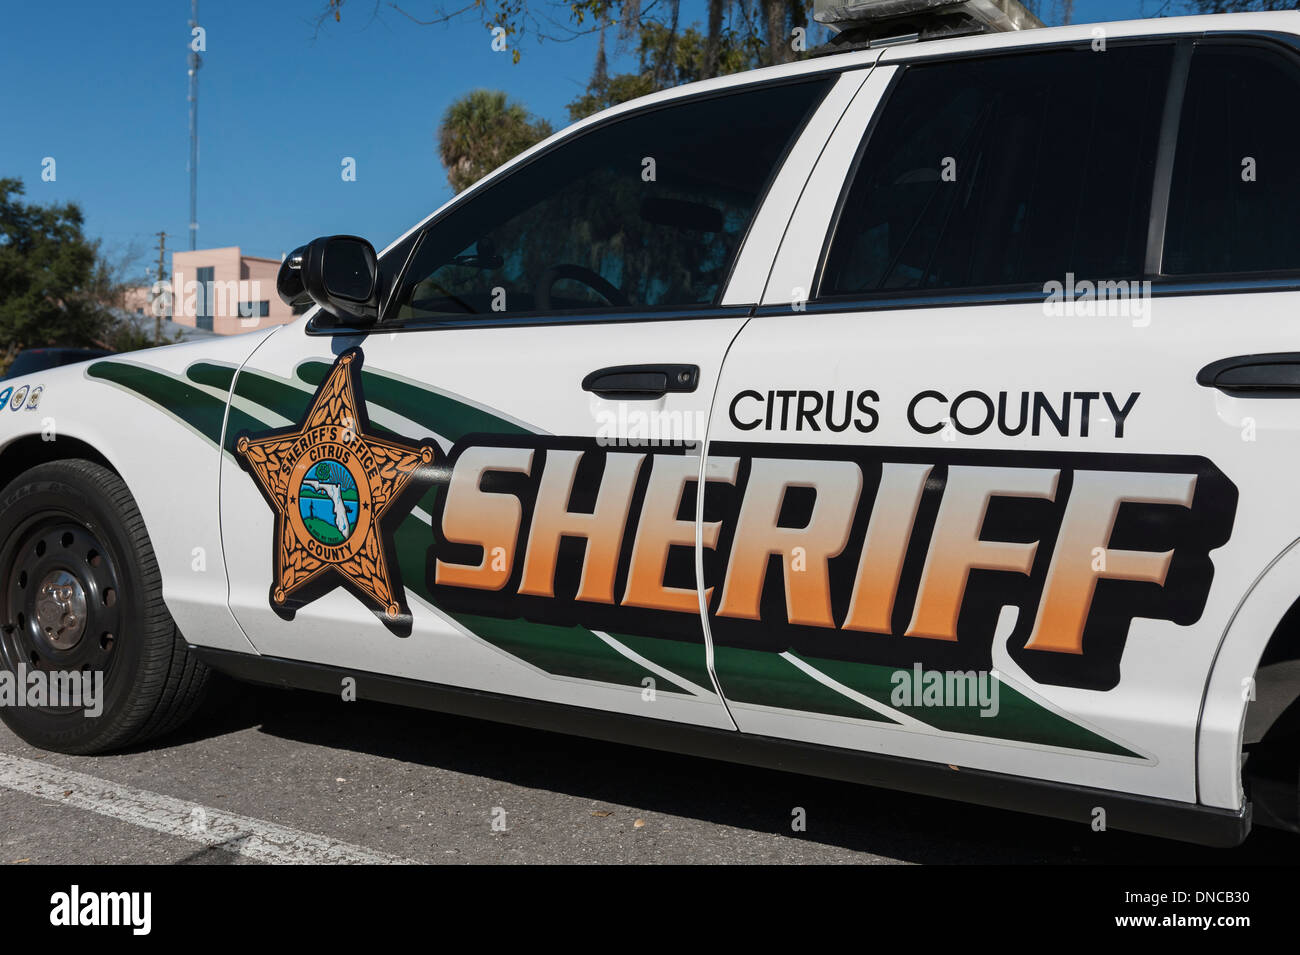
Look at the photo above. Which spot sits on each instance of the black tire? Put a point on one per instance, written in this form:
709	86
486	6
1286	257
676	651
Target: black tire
77	518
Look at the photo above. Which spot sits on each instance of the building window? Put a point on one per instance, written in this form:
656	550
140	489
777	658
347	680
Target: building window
203	312
255	309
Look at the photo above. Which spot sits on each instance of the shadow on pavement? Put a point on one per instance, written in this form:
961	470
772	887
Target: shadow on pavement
857	818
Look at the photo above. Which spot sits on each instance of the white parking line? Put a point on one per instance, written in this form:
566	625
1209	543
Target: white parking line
254	838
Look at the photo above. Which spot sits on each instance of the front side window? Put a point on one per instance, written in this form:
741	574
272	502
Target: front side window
1235	197
1007	171
645	212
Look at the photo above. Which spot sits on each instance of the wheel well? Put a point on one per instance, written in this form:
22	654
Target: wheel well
1273	711
1284	644
1271	737
26	452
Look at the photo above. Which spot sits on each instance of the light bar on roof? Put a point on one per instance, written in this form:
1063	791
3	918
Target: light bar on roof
936	17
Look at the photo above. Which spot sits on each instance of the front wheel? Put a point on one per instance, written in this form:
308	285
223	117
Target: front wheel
82	616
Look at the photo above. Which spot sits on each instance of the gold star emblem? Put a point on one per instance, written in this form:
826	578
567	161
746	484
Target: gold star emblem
334	489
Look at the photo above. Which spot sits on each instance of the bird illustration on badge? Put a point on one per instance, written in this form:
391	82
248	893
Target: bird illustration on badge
337	490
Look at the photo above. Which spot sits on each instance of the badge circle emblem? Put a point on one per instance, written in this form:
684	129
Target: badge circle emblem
327	502
333	510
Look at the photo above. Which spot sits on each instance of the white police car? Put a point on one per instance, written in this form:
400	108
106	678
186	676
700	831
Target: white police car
984	351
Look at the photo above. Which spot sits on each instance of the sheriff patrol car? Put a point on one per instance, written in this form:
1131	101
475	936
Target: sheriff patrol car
921	415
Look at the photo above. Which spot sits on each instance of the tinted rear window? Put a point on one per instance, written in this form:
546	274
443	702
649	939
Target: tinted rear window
1234	204
1006	171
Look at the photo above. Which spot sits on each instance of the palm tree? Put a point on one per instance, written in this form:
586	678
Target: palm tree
482	130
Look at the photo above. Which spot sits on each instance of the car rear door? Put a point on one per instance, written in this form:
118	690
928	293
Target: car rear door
983	513
493	488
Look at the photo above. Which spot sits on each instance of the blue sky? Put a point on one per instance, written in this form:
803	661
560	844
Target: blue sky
101	88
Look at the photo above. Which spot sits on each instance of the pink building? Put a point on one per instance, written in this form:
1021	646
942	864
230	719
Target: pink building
223	291
138	300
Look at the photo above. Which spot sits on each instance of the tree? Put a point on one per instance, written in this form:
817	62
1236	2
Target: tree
737	35
763	28
125	335
656	70
57	287
110	288
52	278
482	130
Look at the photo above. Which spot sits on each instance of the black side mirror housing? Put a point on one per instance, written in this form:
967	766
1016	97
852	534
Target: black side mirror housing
288	281
340	273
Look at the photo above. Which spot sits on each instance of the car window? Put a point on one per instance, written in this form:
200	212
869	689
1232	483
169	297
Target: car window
1005	171
647	211
1235	197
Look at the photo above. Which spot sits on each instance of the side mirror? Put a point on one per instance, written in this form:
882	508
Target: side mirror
340	273
288	282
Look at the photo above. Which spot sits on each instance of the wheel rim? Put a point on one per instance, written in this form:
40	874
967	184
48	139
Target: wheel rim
62	600
61	609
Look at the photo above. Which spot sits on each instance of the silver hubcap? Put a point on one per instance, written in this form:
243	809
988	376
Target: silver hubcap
61	609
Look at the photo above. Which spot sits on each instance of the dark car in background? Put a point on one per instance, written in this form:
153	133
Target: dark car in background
32	360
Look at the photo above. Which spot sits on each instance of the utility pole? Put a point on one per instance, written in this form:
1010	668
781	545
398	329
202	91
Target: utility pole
195	61
158	280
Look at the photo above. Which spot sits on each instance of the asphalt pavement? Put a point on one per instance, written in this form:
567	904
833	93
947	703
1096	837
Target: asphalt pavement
266	775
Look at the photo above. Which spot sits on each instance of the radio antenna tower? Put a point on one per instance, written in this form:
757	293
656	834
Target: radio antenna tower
195	61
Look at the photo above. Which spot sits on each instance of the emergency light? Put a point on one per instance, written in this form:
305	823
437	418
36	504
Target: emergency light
876	22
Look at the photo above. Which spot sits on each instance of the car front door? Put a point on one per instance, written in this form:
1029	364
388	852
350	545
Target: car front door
494	486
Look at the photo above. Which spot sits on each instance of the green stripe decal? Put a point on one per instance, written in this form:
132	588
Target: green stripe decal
764	678
677	656
211	374
1019	718
564	651
282	398
276	395
200	410
439	413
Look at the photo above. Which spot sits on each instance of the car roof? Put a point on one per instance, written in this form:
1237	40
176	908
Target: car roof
1281	21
